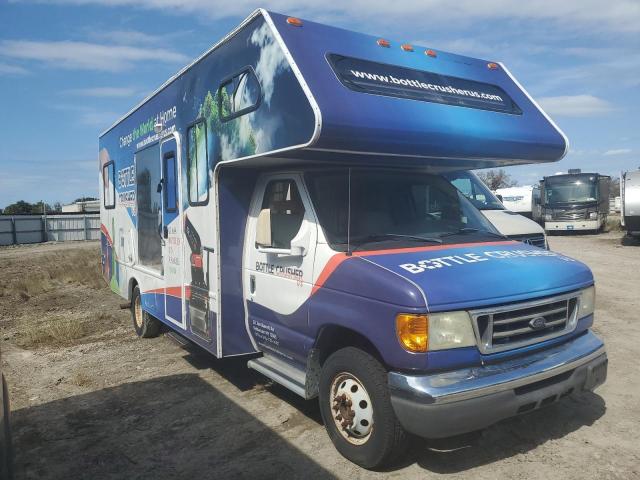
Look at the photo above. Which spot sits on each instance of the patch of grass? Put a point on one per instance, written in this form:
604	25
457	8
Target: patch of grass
80	379
56	331
613	224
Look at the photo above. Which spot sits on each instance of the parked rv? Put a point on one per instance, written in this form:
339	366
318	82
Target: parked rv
630	202
524	200
575	201
281	198
508	223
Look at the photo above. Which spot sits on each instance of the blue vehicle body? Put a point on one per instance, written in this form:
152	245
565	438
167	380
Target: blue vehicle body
235	141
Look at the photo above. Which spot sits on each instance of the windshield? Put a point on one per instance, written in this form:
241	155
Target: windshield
403	208
570	190
475	190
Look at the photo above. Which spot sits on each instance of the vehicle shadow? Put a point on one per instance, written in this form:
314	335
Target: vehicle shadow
235	371
177	426
509	437
629	241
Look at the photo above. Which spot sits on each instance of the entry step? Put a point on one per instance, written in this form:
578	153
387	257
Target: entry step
280	372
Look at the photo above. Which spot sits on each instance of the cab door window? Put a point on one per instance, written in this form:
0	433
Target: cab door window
282	199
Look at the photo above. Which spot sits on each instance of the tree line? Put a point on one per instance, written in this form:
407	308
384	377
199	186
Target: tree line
22	207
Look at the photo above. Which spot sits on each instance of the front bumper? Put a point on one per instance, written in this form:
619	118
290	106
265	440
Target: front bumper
450	403
573	225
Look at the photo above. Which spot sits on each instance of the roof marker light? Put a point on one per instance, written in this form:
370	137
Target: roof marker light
492	66
383	43
431	53
406	47
296	22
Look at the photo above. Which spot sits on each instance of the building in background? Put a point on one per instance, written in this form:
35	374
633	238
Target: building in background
87	206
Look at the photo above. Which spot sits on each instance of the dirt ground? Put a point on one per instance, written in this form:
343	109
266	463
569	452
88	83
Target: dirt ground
92	401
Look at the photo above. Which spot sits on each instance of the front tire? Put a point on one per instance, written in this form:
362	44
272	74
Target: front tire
145	325
356	409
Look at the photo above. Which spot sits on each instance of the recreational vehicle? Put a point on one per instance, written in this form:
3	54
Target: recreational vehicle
575	201
509	223
281	198
630	202
524	200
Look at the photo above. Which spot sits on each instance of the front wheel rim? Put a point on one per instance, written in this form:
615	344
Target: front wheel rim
351	408
137	313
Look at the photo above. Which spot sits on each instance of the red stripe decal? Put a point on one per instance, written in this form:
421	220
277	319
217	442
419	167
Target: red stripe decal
338	258
104	230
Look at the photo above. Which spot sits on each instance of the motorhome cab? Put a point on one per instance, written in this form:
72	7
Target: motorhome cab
575	201
510	223
292	209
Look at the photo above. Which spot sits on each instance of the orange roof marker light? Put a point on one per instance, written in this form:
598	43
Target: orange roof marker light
492	66
296	22
406	47
431	53
383	43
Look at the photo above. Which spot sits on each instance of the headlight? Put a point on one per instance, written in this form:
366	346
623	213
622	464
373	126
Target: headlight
436	331
587	302
548	217
593	215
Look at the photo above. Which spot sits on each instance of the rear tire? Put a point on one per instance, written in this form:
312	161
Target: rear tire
145	325
353	388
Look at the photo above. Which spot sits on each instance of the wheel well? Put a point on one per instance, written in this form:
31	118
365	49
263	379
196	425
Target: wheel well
333	337
133	283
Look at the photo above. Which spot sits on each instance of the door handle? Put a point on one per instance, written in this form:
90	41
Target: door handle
252	284
165	231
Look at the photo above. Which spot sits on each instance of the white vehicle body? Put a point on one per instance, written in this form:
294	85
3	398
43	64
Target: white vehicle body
630	200
524	200
507	222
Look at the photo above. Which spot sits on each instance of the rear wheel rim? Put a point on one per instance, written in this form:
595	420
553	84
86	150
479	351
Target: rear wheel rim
351	408
137	313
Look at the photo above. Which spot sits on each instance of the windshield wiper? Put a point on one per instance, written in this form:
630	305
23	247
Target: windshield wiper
359	242
466	230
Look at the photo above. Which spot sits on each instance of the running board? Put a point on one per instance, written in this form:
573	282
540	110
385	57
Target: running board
281	372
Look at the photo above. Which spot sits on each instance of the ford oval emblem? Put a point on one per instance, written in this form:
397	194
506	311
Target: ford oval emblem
538	323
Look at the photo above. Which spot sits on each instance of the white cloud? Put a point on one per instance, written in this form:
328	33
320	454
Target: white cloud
86	56
575	105
102	92
271	62
6	69
617	151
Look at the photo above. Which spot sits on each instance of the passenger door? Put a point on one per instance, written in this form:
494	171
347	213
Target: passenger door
279	257
172	249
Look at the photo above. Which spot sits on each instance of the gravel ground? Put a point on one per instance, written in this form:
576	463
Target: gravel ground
104	404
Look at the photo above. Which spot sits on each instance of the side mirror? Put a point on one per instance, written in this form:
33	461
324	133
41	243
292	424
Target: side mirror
300	243
263	228
499	197
159	187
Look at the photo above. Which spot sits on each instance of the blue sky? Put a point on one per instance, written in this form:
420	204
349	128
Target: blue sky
69	68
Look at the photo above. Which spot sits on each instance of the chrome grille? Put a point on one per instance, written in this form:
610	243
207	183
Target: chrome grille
535	240
516	325
570	214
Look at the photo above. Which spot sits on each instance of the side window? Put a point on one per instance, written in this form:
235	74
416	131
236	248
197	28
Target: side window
197	167
170	193
464	185
239	95
282	199
108	185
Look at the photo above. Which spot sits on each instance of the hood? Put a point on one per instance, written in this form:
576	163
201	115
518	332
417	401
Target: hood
475	275
511	223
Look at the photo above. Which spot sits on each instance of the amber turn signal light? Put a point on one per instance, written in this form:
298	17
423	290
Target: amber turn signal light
296	22
413	331
383	43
